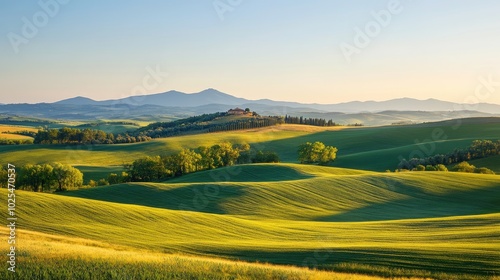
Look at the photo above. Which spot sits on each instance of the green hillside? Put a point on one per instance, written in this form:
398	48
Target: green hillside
48	256
370	148
404	220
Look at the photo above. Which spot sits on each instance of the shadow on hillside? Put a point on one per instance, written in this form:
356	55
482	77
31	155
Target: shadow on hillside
421	204
330	259
206	198
244	173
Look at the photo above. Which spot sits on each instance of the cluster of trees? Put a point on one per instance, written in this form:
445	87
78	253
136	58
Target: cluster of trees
205	123
187	161
112	179
247	124
437	167
121	139
46	177
317	152
97	124
263	157
16	141
461	167
469	168
68	135
309	121
478	149
86	136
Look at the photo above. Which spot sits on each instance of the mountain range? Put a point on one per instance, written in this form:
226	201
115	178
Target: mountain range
175	104
212	96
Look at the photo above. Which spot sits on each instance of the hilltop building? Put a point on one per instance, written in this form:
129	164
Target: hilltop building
236	111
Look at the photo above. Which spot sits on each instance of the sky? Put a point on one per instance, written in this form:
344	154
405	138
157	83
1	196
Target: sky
317	51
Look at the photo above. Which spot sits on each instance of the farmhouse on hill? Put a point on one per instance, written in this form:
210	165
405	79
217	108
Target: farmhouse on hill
236	111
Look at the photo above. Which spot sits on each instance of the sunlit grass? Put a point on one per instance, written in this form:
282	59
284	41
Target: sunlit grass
436	222
45	256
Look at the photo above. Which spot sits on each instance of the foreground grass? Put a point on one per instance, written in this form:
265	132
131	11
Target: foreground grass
439	223
44	256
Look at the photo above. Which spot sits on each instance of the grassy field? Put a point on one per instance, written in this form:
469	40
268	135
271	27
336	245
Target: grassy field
407	224
269	221
46	256
370	148
110	127
98	172
7	132
492	162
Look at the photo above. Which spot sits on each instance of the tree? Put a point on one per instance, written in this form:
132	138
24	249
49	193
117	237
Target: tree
419	167
442	168
430	168
316	152
102	182
484	170
265	157
67	176
189	161
464	167
328	155
148	169
92	183
29	177
47	179
113	179
229	154
244	150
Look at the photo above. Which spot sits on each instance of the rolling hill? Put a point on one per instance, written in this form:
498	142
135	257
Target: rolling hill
367	148
328	218
347	218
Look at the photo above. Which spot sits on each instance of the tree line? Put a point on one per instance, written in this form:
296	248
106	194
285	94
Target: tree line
46	177
246	124
461	167
309	121
149	169
16	141
85	136
204	124
478	149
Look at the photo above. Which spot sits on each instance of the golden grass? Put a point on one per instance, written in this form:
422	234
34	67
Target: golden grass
16	128
48	249
9	136
5	129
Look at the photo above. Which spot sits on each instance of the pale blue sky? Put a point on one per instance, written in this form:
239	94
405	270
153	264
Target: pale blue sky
282	50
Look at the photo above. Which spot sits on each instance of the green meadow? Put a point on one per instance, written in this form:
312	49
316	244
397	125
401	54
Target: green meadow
370	148
350	220
407	224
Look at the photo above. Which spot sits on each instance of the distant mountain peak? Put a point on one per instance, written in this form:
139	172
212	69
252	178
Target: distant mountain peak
79	100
